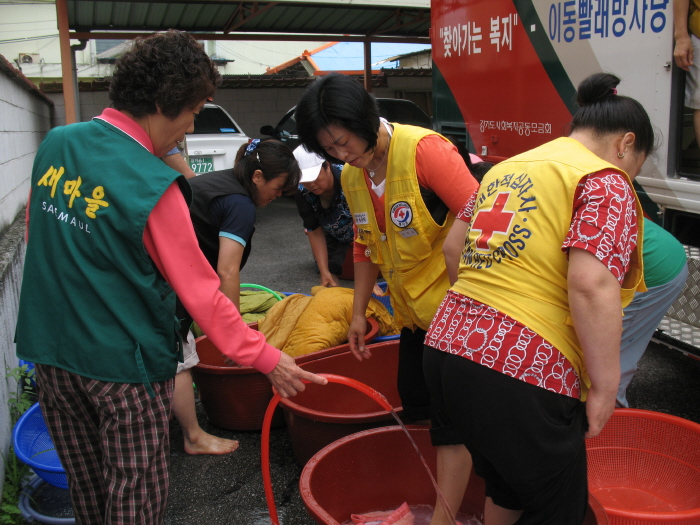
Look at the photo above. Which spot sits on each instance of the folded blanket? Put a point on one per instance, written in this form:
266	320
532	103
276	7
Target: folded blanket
281	319
255	304
322	323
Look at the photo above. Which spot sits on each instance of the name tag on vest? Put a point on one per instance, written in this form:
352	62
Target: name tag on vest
361	218
408	232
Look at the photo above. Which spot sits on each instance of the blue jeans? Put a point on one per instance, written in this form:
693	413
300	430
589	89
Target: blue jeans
641	318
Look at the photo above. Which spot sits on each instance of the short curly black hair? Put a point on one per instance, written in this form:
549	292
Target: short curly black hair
167	70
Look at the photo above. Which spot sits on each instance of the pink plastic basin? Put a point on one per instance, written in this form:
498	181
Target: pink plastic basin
378	469
236	397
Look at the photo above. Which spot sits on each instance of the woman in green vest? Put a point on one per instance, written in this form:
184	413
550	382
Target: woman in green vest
110	243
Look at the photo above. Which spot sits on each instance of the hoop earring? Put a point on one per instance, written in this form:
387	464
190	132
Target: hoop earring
620	155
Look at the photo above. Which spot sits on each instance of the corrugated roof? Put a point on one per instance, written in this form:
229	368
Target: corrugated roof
282	20
380	19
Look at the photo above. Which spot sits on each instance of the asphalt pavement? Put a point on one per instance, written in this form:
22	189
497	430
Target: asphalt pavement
228	489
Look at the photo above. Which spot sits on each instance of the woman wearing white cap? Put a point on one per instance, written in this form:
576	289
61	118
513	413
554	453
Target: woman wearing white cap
324	210
223	214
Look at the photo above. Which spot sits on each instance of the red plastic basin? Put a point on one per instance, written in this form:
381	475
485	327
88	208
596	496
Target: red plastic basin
236	397
379	469
322	414
644	467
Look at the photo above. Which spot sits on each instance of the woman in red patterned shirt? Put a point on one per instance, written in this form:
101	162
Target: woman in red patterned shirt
532	324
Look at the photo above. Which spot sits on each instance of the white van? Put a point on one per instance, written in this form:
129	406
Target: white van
215	140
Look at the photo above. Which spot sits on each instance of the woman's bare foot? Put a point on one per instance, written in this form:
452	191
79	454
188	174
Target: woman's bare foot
197	441
208	444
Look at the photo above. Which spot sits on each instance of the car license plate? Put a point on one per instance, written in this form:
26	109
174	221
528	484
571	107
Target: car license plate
201	164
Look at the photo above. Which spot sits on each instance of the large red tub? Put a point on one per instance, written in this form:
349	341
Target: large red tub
236	397
379	469
322	414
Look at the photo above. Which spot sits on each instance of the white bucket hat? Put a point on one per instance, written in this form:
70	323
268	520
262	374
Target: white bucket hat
309	163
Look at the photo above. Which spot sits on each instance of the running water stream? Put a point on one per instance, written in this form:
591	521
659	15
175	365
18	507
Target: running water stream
445	506
361	387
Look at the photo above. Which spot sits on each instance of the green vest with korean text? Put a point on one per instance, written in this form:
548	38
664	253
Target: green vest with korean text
92	300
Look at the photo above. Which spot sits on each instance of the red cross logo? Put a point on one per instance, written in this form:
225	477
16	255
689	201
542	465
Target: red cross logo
492	221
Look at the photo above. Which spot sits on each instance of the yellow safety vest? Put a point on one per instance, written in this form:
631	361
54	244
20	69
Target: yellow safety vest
513	260
409	253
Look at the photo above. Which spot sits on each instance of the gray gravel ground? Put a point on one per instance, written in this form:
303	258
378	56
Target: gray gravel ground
228	490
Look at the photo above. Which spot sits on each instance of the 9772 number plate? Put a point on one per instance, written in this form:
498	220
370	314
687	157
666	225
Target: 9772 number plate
201	164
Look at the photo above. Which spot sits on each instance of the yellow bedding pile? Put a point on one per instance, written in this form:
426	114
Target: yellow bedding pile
299	325
281	319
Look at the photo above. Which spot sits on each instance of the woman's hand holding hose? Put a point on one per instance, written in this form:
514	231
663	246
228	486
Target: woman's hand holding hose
287	377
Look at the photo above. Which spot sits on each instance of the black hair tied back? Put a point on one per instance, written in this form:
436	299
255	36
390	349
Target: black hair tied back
273	159
603	111
596	88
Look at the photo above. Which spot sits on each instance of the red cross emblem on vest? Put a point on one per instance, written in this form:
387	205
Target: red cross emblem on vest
495	220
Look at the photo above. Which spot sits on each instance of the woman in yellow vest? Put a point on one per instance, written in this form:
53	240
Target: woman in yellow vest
532	325
404	185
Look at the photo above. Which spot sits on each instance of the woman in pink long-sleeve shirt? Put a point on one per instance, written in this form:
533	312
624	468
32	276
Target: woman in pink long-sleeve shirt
94	314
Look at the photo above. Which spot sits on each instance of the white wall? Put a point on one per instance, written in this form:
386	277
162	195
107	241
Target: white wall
24	120
12	248
29	27
417	61
25	117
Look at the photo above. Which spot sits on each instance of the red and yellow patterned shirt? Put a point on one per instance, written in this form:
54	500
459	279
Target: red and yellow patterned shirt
491	338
